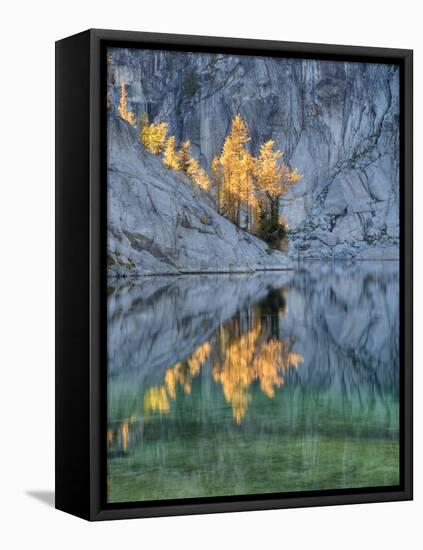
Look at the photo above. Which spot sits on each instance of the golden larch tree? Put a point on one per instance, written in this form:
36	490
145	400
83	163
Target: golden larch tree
170	157
217	183
233	171
201	178
191	166
153	136
273	178
123	108
198	174
185	155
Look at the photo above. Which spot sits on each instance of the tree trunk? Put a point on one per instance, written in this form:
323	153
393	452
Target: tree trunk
274	210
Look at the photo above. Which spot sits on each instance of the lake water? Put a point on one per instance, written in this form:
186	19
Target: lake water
253	384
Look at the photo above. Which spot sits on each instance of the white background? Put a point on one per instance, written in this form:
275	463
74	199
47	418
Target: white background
28	32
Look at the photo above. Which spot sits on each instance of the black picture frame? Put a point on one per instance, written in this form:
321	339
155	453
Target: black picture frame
81	282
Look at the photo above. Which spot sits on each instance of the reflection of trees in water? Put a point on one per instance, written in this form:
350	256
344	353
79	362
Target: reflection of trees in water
338	320
156	399
118	437
244	351
210	420
255	356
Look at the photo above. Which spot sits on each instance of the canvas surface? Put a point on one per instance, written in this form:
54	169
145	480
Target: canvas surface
253	275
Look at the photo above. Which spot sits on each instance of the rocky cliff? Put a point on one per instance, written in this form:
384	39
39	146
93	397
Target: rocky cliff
158	224
337	122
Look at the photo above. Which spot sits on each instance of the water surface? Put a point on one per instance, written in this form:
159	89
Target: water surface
250	384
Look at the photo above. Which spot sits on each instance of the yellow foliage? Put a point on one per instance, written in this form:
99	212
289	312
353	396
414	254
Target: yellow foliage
246	189
191	166
266	169
155	400
244	186
199	176
170	157
238	361
198	358
124	430
153	136
252	357
185	155
233	172
217	181
235	374
183	373
273	178
123	109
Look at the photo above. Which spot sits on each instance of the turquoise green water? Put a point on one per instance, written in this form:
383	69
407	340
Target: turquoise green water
243	385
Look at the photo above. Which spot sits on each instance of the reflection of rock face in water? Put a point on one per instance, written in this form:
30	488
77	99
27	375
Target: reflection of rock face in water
346	321
155	322
342	319
247	384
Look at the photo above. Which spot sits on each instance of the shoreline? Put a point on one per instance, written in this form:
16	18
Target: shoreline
251	272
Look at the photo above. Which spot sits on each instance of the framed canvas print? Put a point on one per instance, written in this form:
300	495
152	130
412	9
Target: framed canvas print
233	274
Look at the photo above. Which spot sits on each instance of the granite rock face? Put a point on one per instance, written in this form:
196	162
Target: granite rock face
337	122
158	224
